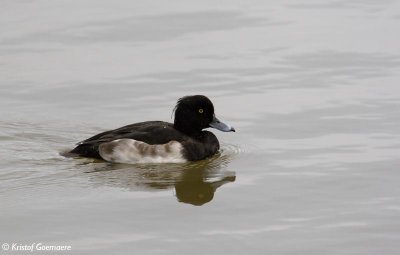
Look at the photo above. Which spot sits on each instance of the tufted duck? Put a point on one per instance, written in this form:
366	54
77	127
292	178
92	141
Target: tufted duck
158	141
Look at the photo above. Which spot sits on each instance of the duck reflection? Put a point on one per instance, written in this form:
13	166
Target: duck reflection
194	183
196	188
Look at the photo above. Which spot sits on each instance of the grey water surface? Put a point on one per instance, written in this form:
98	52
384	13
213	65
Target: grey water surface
312	88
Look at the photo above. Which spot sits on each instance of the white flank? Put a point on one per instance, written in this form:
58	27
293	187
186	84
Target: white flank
132	151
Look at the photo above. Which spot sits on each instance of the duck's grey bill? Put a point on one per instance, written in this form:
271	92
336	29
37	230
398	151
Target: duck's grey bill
217	124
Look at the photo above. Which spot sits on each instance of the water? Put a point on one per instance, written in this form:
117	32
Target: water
312	88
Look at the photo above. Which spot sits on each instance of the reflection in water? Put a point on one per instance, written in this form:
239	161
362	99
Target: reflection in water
194	189
194	183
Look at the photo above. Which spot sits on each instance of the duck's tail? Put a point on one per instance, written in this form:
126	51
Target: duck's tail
86	150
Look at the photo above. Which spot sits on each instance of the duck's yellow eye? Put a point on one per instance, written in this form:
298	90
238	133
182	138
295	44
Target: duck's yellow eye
201	110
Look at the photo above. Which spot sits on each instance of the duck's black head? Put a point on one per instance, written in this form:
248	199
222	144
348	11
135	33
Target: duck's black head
195	113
